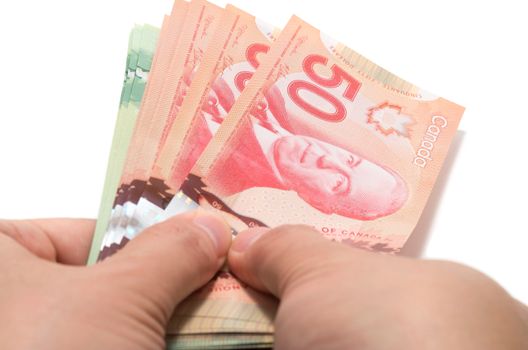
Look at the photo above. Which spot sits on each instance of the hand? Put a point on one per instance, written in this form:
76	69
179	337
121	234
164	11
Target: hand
336	297
122	303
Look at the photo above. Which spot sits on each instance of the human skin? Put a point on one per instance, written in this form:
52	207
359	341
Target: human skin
125	302
331	296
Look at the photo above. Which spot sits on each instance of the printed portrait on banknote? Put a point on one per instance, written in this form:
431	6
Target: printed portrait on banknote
330	178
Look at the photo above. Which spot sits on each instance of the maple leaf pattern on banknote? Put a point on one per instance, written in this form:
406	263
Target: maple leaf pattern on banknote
389	119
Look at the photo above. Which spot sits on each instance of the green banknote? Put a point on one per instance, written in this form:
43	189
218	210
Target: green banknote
142	45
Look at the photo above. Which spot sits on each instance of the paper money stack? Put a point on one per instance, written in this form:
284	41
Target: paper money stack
223	111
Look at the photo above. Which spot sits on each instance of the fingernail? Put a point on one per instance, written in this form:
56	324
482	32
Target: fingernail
245	239
217	229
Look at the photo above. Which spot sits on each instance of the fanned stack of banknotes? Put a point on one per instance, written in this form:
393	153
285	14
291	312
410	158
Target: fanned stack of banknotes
265	126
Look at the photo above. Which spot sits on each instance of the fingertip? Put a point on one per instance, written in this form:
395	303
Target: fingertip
216	228
246	238
240	260
266	258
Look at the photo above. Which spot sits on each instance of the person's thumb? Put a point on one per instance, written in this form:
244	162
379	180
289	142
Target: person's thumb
281	259
169	261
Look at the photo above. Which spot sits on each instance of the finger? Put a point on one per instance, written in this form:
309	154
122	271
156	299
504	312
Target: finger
65	241
279	259
169	261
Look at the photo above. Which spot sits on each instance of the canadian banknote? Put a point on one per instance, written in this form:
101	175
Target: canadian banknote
331	140
141	48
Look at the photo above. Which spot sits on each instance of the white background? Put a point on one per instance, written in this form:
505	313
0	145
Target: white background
62	65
